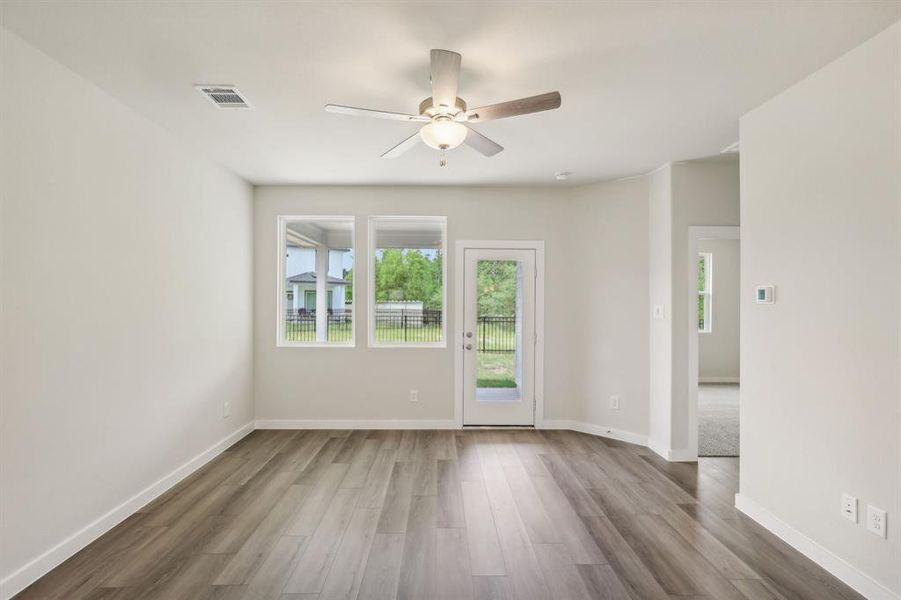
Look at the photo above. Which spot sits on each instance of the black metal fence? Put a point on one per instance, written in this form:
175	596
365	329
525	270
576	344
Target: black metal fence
300	325
497	334
494	333
403	325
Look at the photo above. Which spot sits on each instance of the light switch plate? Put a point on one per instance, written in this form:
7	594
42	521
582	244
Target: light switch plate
659	311
876	521
849	507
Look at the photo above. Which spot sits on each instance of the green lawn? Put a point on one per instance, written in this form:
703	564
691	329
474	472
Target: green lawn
494	369
492	336
421	333
305	332
342	332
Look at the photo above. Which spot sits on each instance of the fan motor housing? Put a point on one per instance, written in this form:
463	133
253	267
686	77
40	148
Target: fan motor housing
427	108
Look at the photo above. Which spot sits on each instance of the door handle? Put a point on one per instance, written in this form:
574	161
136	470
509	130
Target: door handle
468	346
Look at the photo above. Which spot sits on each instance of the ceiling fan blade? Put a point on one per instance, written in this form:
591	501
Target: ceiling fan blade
403	146
523	106
445	76
479	142
378	114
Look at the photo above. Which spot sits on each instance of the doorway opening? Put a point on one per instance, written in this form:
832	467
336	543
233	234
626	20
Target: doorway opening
714	366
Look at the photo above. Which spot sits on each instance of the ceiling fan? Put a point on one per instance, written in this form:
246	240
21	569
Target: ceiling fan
446	116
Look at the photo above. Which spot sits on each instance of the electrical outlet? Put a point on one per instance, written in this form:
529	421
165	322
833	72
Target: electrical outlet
849	507
414	395
614	402
226	410
876	521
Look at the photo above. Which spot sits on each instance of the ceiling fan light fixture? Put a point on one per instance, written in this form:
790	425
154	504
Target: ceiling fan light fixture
446	117
443	133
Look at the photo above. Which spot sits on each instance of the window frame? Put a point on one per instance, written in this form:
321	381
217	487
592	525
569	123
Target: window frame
281	266
370	295
707	293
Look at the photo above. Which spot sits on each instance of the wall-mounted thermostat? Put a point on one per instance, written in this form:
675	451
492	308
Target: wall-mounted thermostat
764	294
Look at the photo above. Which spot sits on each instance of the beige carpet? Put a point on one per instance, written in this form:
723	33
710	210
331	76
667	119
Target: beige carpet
718	419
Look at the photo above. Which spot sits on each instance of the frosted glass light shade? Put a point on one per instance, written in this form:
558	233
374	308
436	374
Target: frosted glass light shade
443	134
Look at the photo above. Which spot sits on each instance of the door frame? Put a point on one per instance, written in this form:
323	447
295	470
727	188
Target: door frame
459	301
696	233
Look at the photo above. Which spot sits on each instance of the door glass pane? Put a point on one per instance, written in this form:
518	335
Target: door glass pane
499	330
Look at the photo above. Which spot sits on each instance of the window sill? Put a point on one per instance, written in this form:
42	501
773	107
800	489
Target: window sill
314	345
408	345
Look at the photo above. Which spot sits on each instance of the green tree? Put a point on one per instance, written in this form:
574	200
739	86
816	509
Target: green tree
408	274
348	276
496	280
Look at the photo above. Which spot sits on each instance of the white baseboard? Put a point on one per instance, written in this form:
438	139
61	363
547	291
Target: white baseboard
600	430
355	424
625	436
672	454
41	565
681	455
36	568
853	577
718	380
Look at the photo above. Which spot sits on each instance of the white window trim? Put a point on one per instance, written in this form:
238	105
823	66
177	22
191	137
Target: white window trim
708	292
281	223
370	297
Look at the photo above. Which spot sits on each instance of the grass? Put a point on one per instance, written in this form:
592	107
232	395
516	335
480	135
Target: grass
422	333
337	332
496	370
341	332
495	383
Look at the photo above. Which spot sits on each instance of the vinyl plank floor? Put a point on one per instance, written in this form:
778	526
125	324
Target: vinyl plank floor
480	514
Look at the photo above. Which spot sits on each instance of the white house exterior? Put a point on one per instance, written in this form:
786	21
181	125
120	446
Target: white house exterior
300	285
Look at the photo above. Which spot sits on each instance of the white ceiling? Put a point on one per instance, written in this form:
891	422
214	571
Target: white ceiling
642	82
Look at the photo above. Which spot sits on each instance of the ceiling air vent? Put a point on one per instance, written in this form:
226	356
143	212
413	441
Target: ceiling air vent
223	96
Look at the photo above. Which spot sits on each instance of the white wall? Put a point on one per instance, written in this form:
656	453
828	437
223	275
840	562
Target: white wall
821	399
611	344
718	350
115	240
705	192
660	288
684	194
374	383
302	260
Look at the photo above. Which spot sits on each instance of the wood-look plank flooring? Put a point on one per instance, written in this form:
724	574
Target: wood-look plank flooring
454	515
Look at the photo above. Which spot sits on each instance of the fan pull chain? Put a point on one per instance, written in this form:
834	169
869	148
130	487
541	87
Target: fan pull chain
442	159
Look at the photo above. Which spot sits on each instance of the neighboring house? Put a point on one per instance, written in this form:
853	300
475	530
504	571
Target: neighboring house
300	285
301	290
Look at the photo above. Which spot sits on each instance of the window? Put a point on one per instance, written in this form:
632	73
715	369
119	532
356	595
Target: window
316	270
407	281
705	292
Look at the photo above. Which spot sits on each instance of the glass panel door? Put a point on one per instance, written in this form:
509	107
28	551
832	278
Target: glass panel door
498	339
